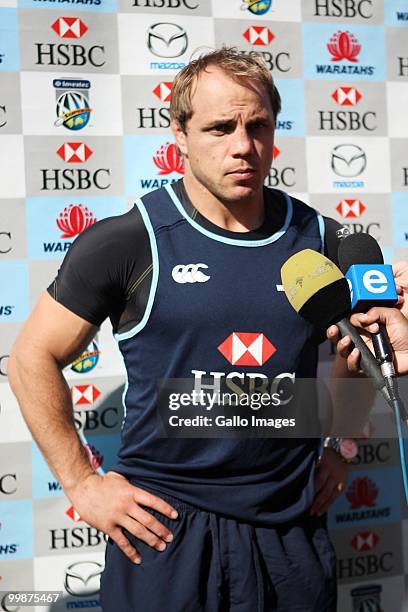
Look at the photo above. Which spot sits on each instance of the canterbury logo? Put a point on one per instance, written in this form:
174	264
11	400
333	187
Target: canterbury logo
190	273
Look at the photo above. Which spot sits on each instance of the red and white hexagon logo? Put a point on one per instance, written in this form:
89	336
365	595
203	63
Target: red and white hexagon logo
74	152
69	27
258	35
350	208
346	96
247	349
163	91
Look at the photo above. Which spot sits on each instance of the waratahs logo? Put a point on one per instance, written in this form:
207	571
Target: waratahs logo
74	219
168	160
344	46
72	108
256	7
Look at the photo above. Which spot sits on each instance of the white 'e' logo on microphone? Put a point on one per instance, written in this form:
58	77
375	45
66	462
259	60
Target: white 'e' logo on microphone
375	281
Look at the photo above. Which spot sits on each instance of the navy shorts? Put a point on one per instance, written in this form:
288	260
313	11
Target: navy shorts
218	564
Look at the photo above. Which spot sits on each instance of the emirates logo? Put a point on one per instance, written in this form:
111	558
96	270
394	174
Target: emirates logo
74	219
344	46
69	27
365	540
258	35
74	152
168	160
346	96
163	91
362	492
73	514
94	456
84	394
350	208
247	349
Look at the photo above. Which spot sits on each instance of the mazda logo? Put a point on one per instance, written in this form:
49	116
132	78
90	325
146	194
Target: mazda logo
348	160
167	39
83	578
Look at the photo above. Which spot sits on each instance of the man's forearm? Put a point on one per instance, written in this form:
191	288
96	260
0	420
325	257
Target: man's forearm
46	405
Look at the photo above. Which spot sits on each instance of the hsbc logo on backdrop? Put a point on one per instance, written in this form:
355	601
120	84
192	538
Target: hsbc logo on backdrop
347	120
344	8
247	349
350	208
73	514
84	394
280	176
365	540
368	559
74	152
258	35
69	27
69	53
261	36
346	96
151	117
69	179
163	91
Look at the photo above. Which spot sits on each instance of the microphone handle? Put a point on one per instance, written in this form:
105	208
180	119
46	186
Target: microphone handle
368	362
382	346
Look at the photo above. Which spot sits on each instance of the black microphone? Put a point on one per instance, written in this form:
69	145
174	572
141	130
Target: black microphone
355	251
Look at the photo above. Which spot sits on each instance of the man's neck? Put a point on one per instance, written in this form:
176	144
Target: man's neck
242	216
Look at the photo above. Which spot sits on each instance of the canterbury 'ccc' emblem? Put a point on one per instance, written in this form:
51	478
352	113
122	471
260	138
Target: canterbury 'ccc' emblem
190	273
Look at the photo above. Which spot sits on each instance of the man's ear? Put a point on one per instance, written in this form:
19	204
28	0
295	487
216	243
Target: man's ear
180	137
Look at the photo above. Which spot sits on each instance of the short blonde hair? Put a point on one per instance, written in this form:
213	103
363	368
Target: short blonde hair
235	63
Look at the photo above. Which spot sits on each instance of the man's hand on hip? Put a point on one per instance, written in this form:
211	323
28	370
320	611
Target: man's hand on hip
110	503
331	474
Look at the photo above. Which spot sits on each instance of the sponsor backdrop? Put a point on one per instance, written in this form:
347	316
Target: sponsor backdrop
85	87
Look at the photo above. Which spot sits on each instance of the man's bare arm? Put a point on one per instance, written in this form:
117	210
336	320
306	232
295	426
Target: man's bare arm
51	338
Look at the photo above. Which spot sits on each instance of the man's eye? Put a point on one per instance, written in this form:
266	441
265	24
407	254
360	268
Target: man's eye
223	128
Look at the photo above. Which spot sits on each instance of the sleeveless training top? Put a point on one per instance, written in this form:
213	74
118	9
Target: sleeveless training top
223	318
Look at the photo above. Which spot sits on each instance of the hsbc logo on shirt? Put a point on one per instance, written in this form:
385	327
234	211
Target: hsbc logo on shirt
247	349
258	35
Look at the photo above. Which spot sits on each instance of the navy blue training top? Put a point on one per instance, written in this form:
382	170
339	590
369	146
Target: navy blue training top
200	329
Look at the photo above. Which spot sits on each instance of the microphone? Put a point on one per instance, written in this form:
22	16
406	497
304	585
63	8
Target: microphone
372	284
317	289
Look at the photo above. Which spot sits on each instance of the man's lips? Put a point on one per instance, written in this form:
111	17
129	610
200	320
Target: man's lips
244	172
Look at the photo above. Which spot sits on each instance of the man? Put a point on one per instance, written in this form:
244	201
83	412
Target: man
194	524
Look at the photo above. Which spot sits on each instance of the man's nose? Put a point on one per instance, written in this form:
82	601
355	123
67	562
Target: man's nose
242	143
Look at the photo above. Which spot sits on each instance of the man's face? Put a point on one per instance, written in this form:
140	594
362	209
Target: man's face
228	143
